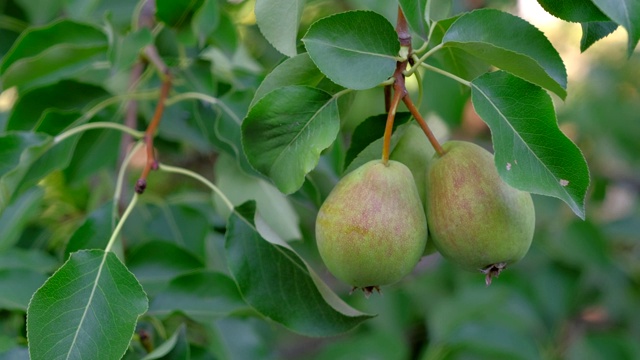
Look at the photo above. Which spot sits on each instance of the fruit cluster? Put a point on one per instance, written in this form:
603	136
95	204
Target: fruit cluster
372	229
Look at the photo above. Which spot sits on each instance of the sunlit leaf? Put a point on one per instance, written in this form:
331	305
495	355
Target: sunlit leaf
512	44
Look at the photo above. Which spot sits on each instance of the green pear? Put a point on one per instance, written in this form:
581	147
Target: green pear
476	219
415	151
371	230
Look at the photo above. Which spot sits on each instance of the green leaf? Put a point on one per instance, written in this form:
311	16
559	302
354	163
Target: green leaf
32	259
17	215
206	20
298	70
273	206
17	286
453	59
531	153
370	130
625	13
29	112
155	263
275	281
47	54
18	150
415	12
286	130
55	158
355	49
574	10
512	44
202	295
594	31
278	21
374	150
176	13
41	12
95	231
87	309
175	348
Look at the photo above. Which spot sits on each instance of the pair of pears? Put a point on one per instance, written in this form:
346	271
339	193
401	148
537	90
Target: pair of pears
372	228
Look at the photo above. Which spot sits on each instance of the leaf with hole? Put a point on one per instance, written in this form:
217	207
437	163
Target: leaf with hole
531	153
355	49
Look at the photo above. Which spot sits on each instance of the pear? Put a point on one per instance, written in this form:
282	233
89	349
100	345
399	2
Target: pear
415	151
476	219
371	230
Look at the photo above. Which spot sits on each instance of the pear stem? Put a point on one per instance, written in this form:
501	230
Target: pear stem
423	124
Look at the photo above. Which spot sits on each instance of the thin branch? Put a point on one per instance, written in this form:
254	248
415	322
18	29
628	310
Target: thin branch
425	128
152	163
447	74
202	179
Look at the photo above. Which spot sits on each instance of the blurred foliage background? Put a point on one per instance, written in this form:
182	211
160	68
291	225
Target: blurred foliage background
576	295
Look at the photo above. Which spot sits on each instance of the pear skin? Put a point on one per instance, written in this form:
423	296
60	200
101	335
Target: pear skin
371	230
476	219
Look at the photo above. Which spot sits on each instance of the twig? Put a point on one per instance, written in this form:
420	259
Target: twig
152	163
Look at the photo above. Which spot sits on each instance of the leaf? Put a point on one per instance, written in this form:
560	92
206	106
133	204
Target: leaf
18	150
87	309
17	215
298	70
374	150
202	295
17	286
531	153
278	21
512	44
206	20
155	263
415	11
280	285
574	10
176	13
94	232
273	206
47	54
32	259
286	130
370	130
594	31
625	13
355	49
29	112
175	348
57	156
